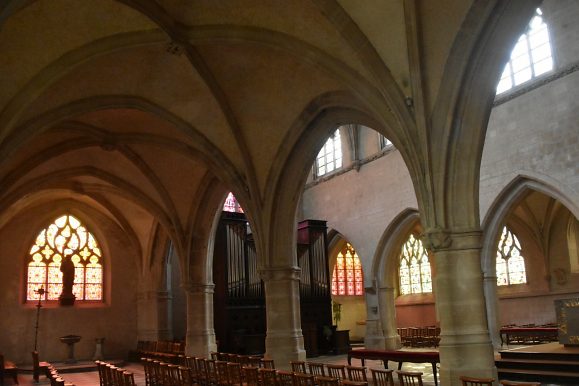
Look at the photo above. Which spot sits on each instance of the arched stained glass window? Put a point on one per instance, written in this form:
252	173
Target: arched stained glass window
330	156
231	204
415	274
66	237
510	262
531	56
348	278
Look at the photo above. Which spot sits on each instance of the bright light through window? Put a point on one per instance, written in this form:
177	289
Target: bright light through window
347	278
330	156
510	262
531	56
415	275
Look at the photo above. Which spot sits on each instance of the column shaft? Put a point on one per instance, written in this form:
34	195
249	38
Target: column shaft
200	339
284	341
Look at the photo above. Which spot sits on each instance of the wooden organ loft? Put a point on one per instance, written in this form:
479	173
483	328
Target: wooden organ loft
239	299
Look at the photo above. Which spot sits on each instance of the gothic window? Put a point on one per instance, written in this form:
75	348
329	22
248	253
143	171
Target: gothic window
347	278
510	263
531	56
231	204
415	275
330	156
66	237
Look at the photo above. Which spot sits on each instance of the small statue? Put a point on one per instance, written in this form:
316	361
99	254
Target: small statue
67	268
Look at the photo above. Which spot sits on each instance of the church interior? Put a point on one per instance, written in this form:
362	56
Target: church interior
288	178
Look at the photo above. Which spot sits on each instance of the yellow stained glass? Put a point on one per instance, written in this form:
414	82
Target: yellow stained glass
63	239
414	272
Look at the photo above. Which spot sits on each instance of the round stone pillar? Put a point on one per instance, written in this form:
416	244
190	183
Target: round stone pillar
284	341
387	308
465	345
200	337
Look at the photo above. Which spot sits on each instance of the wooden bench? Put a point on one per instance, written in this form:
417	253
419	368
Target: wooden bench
7	368
431	357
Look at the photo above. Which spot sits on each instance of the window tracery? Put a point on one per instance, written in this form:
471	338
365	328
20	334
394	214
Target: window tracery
415	273
348	278
531	56
330	156
231	204
66	237
510	264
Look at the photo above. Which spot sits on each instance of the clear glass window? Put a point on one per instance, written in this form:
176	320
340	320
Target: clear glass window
415	273
531	56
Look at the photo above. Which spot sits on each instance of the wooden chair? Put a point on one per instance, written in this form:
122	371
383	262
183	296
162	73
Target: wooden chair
267	363
222	376
267	377
409	378
347	382
251	375
474	381
336	371
382	377
7	368
357	374
186	376
210	372
327	381
129	379
254	361
513	383
234	375
38	367
285	378
298	366
301	379
316	369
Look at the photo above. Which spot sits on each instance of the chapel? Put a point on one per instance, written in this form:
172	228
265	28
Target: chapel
252	173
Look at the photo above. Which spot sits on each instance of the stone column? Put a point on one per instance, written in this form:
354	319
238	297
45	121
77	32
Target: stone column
200	339
492	308
465	346
154	322
374	338
387	308
284	341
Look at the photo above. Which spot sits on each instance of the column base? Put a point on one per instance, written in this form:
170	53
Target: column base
283	348
200	343
471	359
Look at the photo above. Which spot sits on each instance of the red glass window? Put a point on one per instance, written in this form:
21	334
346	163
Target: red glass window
347	278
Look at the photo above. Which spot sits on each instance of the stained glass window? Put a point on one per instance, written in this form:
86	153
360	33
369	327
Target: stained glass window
65	238
231	204
531	56
347	278
510	262
330	156
415	274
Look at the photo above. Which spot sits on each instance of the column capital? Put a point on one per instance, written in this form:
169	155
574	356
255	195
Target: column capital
280	273
443	239
198	288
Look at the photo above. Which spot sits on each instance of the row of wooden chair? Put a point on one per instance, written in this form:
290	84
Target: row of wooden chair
55	378
110	375
352	373
244	360
428	336
162	350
